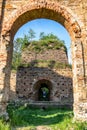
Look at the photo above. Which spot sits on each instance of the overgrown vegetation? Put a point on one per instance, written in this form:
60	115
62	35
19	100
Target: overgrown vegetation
31	118
47	64
4	125
44	43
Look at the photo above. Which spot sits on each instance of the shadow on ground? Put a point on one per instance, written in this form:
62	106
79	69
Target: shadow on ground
38	117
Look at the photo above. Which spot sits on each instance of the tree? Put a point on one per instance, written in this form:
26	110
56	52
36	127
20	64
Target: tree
31	34
25	41
19	45
17	53
42	34
48	36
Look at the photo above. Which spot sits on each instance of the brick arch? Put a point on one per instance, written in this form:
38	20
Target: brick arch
43	9
51	10
37	86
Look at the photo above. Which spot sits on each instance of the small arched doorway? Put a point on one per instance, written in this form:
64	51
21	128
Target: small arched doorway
42	90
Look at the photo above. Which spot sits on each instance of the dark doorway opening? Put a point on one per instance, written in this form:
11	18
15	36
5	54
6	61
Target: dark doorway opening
44	92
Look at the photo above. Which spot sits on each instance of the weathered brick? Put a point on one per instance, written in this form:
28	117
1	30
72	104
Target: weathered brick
70	13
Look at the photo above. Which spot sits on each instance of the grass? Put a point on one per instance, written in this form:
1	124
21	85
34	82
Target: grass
4	125
30	118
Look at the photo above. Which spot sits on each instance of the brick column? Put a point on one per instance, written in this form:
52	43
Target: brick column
5	64
80	105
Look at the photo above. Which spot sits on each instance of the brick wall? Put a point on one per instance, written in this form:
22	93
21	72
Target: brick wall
55	55
25	84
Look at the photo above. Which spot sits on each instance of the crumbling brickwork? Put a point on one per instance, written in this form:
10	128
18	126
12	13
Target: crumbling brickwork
26	82
72	15
55	55
26	86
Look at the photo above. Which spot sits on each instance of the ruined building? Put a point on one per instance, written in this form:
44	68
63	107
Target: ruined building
69	13
47	72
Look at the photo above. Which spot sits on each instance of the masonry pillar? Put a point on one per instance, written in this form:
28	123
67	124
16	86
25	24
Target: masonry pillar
5	65
79	90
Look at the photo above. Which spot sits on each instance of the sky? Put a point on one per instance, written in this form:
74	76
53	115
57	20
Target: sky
47	26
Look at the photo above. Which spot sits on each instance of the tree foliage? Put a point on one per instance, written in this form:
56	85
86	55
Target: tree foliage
31	35
48	36
17	53
46	42
19	45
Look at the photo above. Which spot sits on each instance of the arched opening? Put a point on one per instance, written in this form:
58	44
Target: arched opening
42	90
51	57
49	14
46	27
54	11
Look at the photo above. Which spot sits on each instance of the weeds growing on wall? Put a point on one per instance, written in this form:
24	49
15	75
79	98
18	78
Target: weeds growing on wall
47	64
